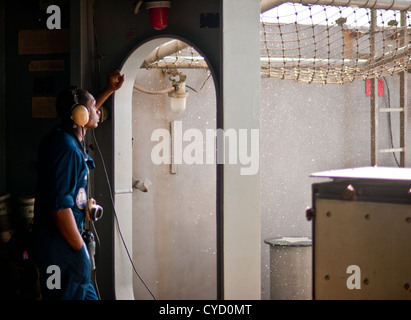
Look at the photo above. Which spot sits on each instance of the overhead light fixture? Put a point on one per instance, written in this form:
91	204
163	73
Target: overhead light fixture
158	13
178	97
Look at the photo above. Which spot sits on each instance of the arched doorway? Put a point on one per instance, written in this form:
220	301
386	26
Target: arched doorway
170	231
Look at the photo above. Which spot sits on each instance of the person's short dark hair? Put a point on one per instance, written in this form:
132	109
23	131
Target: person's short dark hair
66	100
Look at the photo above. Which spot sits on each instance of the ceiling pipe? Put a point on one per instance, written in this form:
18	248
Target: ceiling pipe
164	50
403	5
270	4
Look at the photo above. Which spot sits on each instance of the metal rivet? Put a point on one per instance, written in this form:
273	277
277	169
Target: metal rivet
327	277
366	281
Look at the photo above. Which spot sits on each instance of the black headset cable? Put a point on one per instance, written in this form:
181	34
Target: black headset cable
116	217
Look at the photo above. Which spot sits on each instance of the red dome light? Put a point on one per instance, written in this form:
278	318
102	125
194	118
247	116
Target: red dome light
158	13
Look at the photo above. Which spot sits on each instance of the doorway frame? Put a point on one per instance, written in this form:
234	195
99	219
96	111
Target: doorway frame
123	160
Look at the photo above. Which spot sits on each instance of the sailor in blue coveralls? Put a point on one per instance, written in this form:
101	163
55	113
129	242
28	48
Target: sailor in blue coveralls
61	198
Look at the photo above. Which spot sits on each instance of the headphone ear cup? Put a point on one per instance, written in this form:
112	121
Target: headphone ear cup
80	115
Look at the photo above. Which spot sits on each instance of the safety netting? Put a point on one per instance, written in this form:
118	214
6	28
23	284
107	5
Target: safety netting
327	44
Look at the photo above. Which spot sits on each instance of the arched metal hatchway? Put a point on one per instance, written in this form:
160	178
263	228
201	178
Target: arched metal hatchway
123	167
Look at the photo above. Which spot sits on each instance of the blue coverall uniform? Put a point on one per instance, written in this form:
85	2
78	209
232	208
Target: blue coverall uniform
62	183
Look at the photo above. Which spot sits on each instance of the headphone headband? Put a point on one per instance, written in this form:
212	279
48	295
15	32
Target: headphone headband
74	92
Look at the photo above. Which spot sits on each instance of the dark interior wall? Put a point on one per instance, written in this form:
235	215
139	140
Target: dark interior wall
2	103
23	132
20	133
118	32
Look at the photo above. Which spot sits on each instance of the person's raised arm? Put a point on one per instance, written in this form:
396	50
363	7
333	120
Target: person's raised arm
114	82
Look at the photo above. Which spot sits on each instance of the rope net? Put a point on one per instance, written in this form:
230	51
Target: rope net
322	44
326	44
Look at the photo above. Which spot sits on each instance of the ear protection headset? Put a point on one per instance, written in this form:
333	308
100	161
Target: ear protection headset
80	114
